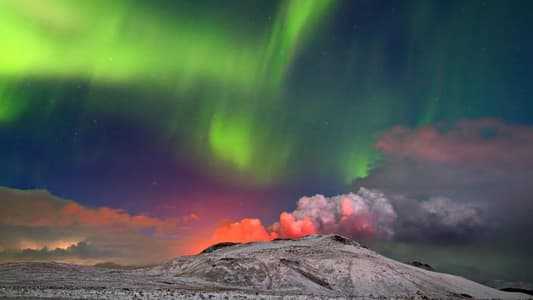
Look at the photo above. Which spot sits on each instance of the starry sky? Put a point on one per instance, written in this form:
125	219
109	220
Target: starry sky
188	122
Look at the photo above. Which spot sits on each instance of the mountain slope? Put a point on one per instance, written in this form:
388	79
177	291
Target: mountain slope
329	265
321	266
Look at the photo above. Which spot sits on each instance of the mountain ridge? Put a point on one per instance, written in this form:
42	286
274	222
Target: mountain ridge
318	266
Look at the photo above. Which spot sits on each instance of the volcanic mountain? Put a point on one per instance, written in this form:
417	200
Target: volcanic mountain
319	266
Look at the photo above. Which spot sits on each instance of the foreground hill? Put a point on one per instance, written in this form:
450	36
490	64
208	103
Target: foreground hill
319	266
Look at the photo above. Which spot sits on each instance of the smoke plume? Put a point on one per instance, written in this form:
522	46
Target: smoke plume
364	214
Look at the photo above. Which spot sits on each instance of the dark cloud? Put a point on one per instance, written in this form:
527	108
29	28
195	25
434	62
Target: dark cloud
437	220
76	252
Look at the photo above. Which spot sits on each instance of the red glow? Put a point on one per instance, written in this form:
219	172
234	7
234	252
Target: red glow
243	231
290	227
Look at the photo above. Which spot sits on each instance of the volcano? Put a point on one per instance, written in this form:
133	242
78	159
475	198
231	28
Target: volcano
318	266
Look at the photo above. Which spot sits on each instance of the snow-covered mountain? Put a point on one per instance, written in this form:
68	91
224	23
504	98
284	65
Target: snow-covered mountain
321	266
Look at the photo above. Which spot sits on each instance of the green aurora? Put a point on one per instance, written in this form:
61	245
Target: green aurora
90	40
253	93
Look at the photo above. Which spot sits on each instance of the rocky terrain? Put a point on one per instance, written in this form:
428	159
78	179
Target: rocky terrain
328	266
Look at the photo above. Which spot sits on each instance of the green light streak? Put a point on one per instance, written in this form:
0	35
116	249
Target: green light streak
231	140
358	162
11	106
240	139
294	23
429	115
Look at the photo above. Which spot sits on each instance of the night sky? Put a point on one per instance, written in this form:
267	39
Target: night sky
135	131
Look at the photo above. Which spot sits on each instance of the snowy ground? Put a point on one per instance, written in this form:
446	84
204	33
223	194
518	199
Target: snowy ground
314	267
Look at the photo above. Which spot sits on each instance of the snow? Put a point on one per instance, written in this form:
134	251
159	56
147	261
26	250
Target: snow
321	266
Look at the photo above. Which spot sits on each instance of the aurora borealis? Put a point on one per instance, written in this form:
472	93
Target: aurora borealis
217	116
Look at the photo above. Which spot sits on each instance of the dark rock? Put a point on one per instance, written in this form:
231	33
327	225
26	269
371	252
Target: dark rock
422	265
518	290
218	246
344	240
282	239
108	265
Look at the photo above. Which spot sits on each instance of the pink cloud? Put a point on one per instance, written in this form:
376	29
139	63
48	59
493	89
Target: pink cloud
485	142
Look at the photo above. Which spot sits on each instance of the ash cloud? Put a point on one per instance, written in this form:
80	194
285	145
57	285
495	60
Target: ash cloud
363	214
367	214
438	219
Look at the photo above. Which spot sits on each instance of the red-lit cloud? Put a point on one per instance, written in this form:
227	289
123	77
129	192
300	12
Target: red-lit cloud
40	209
291	227
36	219
245	230
364	214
